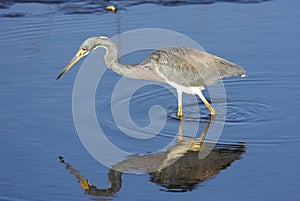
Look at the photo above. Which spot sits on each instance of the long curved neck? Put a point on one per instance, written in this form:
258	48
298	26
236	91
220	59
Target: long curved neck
112	59
144	70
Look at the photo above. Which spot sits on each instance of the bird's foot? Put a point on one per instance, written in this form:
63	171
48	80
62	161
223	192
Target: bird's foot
179	115
179	112
213	113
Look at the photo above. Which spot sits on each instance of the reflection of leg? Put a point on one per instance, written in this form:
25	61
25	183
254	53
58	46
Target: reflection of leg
198	142
211	109
180	135
179	112
203	134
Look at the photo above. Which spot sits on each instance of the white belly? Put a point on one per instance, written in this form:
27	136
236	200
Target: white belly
187	90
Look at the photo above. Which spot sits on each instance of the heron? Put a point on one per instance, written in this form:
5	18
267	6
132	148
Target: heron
186	69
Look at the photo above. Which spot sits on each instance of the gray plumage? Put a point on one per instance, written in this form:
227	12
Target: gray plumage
190	67
188	70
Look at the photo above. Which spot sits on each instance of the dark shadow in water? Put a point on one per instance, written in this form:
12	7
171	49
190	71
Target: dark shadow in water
98	6
179	169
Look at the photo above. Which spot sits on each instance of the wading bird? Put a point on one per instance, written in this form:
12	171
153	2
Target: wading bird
188	70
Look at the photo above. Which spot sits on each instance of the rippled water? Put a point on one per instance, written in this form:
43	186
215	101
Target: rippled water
256	156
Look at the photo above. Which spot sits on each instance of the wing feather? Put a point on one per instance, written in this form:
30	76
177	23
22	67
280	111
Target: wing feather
190	67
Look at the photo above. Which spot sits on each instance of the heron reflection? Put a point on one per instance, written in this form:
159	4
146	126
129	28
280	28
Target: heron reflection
179	169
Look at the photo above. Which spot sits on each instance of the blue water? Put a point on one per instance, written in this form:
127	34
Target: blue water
37	127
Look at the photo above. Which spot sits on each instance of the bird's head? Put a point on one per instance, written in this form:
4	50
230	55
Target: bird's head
86	47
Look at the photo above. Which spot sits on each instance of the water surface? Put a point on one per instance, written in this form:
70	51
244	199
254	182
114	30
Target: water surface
257	153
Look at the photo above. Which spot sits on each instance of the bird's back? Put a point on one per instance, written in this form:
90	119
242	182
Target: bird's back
190	67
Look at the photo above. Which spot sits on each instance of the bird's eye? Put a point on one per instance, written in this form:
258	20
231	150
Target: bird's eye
83	48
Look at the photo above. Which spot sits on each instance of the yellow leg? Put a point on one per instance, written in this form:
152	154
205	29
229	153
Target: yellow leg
211	109
179	112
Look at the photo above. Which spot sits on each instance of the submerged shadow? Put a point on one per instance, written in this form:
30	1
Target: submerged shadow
179	169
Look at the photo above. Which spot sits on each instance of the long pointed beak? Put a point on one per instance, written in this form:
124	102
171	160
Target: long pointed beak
81	53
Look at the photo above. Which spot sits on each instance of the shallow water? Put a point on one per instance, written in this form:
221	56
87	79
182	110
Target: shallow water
256	157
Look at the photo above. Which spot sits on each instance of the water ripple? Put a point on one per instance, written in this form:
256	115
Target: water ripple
238	112
243	111
91	6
